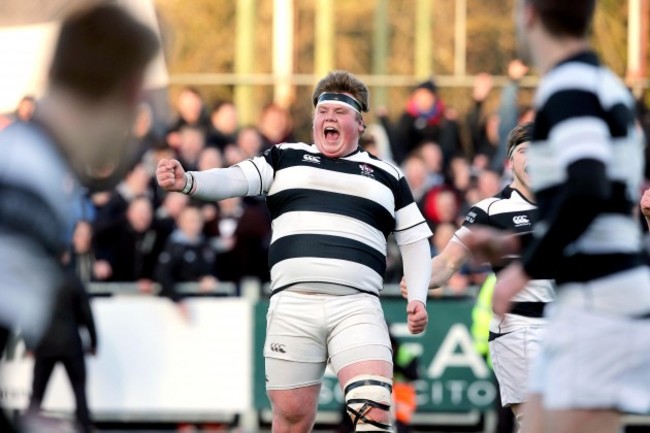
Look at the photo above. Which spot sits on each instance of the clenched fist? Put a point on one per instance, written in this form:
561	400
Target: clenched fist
416	317
170	175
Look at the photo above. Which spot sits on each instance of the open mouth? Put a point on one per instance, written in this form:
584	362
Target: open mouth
331	133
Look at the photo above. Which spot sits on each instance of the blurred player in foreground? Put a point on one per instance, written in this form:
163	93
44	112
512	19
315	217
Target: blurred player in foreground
586	166
76	138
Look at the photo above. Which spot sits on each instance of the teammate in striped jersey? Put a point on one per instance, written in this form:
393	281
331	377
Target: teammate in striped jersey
333	206
515	337
586	166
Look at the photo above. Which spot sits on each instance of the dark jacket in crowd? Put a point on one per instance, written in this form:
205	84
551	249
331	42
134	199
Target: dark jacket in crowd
183	260
131	254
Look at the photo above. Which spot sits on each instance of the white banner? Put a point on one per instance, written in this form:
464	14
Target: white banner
153	361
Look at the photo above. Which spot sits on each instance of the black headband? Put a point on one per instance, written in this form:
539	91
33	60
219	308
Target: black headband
340	97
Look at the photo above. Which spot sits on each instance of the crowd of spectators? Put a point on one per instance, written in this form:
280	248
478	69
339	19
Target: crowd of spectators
138	233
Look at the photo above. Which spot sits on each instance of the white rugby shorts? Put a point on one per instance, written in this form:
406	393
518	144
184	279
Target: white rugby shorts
305	331
594	361
513	354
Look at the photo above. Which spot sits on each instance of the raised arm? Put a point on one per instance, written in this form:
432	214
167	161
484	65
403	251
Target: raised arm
210	185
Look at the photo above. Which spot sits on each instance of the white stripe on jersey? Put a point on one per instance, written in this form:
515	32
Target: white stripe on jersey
589	138
342	183
303	222
316	269
545	172
598	239
586	77
626	165
409	217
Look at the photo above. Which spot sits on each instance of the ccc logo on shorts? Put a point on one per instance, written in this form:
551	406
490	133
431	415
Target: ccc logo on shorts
277	347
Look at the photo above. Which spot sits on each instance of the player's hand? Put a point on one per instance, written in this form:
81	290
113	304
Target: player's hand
403	289
489	244
645	203
510	281
417	317
170	175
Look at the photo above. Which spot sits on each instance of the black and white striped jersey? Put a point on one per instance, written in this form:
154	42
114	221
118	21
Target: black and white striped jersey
332	216
509	210
38	196
586	168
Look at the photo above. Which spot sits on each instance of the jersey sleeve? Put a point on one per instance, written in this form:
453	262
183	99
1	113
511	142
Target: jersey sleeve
260	171
410	225
476	216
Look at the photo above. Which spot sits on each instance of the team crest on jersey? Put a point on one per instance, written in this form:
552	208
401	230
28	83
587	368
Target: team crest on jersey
366	170
521	220
471	216
311	158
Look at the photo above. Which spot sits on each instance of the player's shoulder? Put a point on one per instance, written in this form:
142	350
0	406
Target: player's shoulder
485	204
386	166
27	149
310	148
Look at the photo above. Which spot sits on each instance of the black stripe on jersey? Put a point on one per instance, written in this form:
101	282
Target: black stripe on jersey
569	104
294	158
617	201
582	268
360	208
24	212
325	246
404	197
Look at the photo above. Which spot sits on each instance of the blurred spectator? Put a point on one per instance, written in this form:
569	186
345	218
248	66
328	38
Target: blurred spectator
441	205
423	120
431	154
187	257
232	155
191	144
62	344
368	143
210	158
488	184
224	122
245	235
250	142
484	132
275	126
509	114
415	172
136	184
191	111
131	245
167	214
25	109
459	174
143	128
82	257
